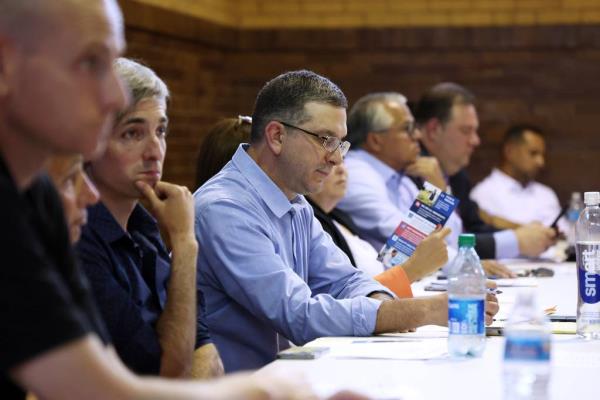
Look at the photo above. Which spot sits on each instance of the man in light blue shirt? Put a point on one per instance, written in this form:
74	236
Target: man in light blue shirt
386	150
267	270
380	188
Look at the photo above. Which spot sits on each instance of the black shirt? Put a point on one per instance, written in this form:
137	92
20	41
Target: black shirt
45	301
460	184
327	221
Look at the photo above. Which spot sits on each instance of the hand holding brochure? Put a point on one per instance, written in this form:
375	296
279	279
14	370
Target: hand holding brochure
429	211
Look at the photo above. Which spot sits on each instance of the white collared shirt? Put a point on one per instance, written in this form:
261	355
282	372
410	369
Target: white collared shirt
502	196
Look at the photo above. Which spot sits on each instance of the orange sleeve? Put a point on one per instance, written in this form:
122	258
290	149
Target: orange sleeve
396	280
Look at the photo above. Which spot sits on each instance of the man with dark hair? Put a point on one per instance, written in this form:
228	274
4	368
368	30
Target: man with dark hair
268	272
510	191
448	121
287	98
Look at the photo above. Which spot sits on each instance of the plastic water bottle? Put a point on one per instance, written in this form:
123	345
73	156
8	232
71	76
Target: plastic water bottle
526	351
572	215
588	268
466	301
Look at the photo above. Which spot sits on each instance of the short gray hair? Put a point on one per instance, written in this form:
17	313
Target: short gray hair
369	114
141	81
284	97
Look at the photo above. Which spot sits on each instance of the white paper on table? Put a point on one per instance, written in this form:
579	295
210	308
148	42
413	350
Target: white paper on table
392	349
383	386
423	332
516	282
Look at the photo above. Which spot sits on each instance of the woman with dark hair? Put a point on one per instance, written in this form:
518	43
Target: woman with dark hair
221	142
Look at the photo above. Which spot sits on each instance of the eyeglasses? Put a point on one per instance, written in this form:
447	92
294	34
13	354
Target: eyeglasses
330	143
410	128
243	119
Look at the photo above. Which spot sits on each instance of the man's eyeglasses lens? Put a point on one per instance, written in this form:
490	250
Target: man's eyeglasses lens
330	143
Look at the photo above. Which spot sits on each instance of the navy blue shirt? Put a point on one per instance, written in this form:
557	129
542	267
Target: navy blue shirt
129	272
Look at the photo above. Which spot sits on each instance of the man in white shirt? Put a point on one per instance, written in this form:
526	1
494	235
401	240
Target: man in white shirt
510	191
448	121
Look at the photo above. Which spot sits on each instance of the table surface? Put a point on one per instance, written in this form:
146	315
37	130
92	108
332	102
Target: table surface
412	366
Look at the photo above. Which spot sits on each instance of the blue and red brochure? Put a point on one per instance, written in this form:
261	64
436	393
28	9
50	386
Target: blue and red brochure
429	211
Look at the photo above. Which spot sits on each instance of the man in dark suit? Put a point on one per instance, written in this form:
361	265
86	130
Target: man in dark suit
447	118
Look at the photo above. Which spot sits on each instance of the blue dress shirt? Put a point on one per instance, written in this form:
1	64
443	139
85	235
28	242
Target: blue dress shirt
129	272
269	272
378	197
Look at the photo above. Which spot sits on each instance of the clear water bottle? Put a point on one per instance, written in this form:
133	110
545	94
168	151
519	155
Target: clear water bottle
587	249
572	215
466	301
526	367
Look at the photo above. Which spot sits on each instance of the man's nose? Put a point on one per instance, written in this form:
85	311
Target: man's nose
89	193
475	139
153	149
336	157
416	134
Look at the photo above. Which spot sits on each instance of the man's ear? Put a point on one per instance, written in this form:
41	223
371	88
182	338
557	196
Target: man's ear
373	142
431	130
508	151
274	137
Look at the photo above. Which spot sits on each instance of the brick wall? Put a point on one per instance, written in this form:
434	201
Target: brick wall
389	13
546	75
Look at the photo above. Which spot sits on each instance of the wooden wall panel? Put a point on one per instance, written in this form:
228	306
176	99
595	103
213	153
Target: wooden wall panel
546	75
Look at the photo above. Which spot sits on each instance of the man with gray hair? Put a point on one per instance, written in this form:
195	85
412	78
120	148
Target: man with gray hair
386	147
382	169
59	95
147	296
268	271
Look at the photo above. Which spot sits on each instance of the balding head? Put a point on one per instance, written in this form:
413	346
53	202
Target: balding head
24	22
58	90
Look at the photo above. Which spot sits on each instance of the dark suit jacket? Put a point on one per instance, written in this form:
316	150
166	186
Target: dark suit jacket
469	213
326	221
468	210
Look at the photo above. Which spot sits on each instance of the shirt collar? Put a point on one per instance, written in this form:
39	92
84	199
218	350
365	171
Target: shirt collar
386	172
508	180
271	194
105	223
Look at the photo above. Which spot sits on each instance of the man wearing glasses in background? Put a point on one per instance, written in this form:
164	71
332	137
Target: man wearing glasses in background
382	167
268	272
385	150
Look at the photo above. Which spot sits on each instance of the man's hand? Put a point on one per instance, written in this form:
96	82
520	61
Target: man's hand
534	239
429	256
270	386
494	268
427	168
173	207
491	308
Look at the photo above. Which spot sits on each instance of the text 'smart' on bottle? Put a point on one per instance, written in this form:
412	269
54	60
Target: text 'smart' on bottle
587	232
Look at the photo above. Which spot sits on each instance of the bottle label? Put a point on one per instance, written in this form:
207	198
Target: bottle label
527	349
466	316
588	272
